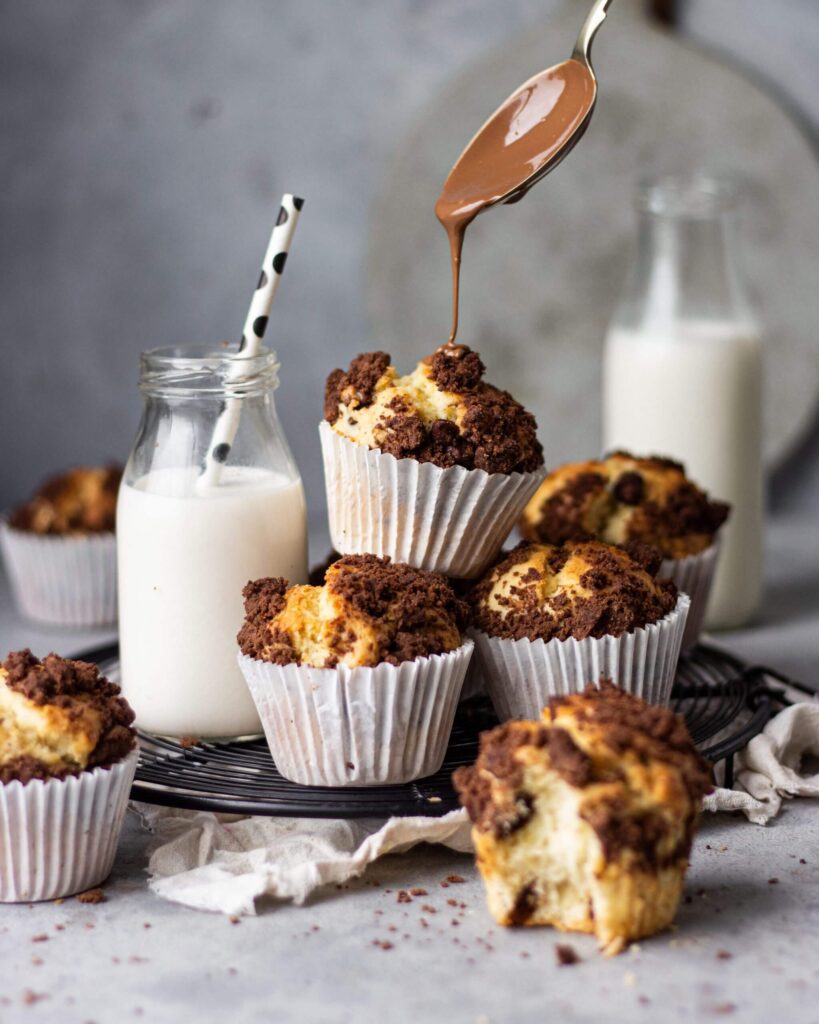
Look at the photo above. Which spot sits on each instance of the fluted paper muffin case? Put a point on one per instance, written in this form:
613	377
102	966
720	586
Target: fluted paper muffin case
358	726
59	837
694	576
473	683
452	520
66	581
522	675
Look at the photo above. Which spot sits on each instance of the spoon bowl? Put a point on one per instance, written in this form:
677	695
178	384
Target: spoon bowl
526	137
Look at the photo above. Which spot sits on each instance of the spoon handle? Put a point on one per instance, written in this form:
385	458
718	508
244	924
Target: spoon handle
595	18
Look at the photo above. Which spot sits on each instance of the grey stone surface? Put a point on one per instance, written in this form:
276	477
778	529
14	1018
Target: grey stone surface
136	957
145	146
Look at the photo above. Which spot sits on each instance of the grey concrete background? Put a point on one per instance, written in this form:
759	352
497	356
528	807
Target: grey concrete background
143	148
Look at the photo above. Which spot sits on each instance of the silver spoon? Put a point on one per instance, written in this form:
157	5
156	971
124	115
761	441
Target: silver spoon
526	137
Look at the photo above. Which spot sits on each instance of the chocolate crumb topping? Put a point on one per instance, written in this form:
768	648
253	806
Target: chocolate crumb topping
81	500
625	498
613	595
62	683
457	368
489	429
409	612
264	599
629	488
630	723
358	383
562	516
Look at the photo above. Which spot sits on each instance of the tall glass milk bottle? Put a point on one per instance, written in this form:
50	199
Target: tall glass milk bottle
187	547
682	370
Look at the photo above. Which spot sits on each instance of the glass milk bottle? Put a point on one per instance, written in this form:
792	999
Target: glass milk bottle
188	544
682	371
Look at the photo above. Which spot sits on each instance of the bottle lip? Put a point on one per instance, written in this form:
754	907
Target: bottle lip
203	370
695	197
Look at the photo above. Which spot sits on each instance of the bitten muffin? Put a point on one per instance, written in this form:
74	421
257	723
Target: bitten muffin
368	611
580	590
443	412
621	499
59	718
585	820
82	500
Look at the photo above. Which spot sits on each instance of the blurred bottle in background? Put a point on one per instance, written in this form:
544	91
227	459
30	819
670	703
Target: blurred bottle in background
682	372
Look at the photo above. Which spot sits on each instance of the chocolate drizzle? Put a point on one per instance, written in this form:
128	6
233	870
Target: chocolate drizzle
520	139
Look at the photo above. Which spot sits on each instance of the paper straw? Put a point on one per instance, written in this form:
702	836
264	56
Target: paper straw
255	326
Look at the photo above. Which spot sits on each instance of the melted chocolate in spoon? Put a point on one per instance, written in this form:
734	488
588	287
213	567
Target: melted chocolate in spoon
521	142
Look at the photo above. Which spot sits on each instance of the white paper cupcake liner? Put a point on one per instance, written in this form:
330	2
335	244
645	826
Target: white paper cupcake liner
521	675
473	683
694	576
452	520
66	581
59	837
358	726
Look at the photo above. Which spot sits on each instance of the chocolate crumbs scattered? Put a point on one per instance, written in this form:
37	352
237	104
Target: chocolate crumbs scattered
92	896
565	955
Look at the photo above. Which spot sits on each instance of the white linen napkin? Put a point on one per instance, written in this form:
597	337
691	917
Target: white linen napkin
219	862
768	769
223	863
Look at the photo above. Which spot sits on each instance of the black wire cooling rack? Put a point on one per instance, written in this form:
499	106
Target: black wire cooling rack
724	702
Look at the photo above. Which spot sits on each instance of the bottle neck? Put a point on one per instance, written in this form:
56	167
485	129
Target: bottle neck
685	267
200	374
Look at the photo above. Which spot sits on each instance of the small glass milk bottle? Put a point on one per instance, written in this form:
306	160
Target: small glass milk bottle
188	544
682	371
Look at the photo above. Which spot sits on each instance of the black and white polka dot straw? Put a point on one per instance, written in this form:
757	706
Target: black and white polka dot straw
258	314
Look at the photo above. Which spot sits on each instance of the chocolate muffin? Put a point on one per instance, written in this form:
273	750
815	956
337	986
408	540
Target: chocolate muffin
443	412
82	500
577	589
584	820
368	611
58	718
621	499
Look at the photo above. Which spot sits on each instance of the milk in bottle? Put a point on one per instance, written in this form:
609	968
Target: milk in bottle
186	549
682	373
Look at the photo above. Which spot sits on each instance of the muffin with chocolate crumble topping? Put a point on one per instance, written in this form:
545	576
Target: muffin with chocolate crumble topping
584	820
624	499
67	759
431	468
548	619
356	681
60	549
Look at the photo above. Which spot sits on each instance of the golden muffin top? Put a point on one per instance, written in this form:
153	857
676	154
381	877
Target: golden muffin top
623	498
82	500
443	412
369	610
577	589
59	717
637	775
